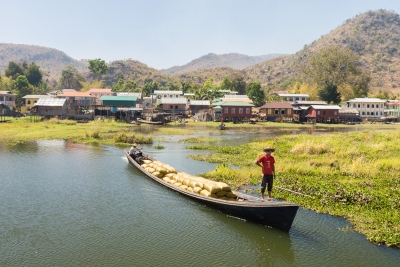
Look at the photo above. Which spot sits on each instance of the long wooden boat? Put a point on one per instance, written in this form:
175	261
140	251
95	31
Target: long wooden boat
150	122
275	214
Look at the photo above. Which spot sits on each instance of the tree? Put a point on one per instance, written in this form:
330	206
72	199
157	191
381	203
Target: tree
131	86
239	85
98	67
185	87
332	67
34	74
22	87
256	94
13	70
226	84
71	78
149	88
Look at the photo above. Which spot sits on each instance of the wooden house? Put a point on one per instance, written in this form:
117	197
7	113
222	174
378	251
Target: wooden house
77	102
175	105
195	106
234	111
323	113
50	107
8	99
349	115
28	101
276	111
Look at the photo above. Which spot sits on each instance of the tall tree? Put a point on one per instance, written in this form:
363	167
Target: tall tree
332	67
256	94
98	67
34	74
239	85
71	78
13	70
22	87
226	84
149	88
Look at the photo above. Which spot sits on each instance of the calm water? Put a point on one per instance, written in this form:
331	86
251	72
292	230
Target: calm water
64	204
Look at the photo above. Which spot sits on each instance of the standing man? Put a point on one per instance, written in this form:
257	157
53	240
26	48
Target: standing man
267	163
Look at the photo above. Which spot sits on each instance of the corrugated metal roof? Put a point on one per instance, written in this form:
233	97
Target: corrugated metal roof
38	96
99	90
6	93
325	107
77	94
138	95
236	96
160	92
233	104
367	99
277	105
54	102
199	102
118	98
176	100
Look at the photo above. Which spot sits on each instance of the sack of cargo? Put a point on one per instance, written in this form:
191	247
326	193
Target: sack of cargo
212	187
223	198
162	170
151	170
205	193
170	175
180	179
231	195
177	184
224	186
169	168
197	190
166	179
146	161
157	162
186	181
143	166
189	189
171	181
214	196
194	184
183	187
221	193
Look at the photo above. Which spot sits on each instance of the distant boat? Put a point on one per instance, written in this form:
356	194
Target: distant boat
151	122
276	214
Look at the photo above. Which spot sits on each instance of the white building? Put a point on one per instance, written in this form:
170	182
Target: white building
368	107
294	97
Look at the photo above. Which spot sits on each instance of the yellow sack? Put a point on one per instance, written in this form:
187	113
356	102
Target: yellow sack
214	196
151	170
186	181
197	190
224	186
189	189
166	179
231	195
183	187
212	187
143	166
177	184
223	198
170	175
205	193
221	193
146	161
180	178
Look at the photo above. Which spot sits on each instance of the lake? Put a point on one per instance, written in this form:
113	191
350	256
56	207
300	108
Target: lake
66	204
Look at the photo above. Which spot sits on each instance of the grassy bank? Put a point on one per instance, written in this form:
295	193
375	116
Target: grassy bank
355	175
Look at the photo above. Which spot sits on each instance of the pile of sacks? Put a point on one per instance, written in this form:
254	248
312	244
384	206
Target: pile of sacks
194	184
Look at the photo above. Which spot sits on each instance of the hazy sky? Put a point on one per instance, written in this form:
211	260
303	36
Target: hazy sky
165	33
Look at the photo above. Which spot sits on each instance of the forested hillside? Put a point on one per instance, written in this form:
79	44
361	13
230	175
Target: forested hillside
50	60
233	60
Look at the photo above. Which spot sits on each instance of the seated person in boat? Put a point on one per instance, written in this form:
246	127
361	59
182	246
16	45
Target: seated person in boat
135	152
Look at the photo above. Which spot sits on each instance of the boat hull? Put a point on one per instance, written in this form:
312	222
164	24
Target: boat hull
275	214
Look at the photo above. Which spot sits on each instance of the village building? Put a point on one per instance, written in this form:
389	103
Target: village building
236	98
28	101
301	107
119	107
99	92
50	107
175	105
195	106
8	100
234	111
323	114
159	94
291	98
369	108
349	115
79	104
276	111
392	110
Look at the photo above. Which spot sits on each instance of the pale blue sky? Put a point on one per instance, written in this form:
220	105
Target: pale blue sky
165	33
